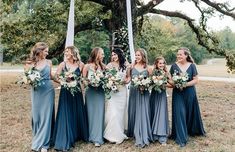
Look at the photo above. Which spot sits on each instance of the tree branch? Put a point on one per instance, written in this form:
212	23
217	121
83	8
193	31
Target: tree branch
219	7
101	2
204	38
145	8
171	14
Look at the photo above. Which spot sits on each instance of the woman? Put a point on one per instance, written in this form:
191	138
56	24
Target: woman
158	104
94	97
42	98
186	117
139	109
116	106
71	120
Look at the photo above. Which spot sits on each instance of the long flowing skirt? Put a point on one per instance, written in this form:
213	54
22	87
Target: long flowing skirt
71	121
114	116
43	119
159	116
95	103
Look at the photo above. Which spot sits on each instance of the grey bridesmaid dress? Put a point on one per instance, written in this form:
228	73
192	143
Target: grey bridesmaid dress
139	113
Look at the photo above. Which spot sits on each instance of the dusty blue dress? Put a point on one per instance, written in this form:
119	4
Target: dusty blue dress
186	117
139	113
159	115
71	120
42	99
95	103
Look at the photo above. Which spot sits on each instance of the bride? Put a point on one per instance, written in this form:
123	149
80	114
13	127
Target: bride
116	105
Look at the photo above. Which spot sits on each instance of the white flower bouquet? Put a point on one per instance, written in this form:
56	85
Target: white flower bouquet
142	82
95	79
111	82
159	80
70	80
180	79
33	77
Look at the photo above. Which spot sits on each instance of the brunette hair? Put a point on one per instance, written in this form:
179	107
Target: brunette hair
157	61
121	58
94	57
188	54
36	50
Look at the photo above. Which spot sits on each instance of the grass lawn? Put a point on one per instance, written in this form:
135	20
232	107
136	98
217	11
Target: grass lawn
217	103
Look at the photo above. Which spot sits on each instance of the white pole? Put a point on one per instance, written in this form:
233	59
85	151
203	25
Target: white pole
130	33
70	28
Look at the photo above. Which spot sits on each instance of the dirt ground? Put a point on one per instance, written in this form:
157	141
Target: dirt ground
217	103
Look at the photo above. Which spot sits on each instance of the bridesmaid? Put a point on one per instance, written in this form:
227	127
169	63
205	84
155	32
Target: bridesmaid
116	106
71	120
94	97
158	104
42	98
139	109
186	117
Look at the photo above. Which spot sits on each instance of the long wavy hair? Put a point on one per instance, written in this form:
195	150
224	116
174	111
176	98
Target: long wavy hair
36	51
75	53
94	57
188	54
121	58
157	61
143	55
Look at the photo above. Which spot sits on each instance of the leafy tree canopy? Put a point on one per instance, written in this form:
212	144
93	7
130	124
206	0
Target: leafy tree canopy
25	22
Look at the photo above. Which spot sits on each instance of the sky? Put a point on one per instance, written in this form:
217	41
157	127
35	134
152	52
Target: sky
214	23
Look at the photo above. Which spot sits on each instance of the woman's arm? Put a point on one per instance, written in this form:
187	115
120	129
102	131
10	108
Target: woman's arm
81	66
85	70
128	74
50	64
192	82
58	72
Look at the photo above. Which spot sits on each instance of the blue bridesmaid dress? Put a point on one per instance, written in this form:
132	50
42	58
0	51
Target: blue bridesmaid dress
42	98
95	104
139	113
186	117
71	119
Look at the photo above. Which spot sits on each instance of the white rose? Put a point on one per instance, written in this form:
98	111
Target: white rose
160	82
72	84
184	78
175	78
32	77
25	80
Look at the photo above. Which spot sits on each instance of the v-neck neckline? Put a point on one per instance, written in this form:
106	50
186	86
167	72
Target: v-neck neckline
138	70
181	69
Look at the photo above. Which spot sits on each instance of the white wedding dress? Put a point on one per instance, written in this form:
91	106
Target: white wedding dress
115	115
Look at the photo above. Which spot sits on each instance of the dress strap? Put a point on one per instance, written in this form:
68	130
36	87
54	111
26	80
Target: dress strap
65	67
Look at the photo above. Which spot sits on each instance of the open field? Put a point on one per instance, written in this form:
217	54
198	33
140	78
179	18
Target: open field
217	102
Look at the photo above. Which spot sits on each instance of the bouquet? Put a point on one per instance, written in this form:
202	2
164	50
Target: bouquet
95	79
111	81
70	81
180	79
33	77
142	82
159	80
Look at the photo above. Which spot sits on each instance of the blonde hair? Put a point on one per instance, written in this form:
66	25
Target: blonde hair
143	55
75	53
36	50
